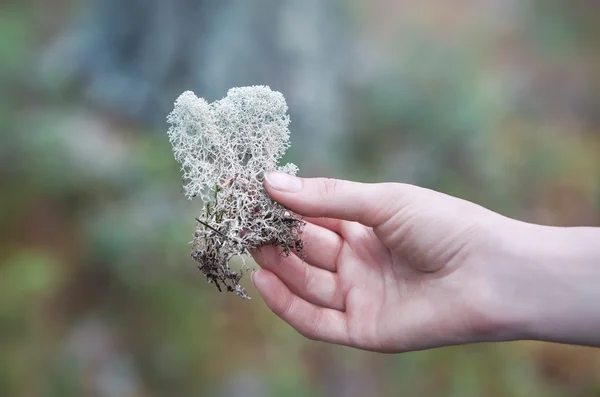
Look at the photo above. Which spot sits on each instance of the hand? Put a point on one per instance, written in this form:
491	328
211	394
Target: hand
386	267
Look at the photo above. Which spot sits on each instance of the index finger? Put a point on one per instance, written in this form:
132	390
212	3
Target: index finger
331	198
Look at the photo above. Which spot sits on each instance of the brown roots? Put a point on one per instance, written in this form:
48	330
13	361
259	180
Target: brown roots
224	232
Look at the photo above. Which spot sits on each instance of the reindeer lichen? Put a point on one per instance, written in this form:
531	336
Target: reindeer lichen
224	149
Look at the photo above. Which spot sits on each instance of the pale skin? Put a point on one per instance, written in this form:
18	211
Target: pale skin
394	268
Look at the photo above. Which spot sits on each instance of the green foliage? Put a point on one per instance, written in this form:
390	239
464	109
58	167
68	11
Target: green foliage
15	41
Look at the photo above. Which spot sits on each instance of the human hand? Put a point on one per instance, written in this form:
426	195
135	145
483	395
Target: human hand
387	267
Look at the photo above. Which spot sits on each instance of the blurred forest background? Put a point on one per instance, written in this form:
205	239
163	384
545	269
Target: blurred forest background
495	101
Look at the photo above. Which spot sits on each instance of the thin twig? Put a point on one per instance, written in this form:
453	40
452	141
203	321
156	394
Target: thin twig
218	232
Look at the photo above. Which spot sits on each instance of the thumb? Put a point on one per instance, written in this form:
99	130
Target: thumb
365	203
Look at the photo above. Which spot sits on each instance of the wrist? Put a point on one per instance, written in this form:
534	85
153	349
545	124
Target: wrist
552	283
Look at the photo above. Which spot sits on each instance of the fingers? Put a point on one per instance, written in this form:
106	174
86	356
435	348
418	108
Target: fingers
332	198
335	225
311	321
311	276
313	284
321	246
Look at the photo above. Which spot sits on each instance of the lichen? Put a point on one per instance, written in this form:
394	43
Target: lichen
224	149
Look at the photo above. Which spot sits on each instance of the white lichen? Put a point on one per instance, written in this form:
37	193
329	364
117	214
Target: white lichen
224	148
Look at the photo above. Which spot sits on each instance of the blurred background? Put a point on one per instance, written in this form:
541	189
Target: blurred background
495	101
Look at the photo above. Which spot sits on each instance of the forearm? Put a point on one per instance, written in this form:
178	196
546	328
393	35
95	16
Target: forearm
557	296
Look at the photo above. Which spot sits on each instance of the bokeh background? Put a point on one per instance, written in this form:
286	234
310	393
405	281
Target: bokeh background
495	101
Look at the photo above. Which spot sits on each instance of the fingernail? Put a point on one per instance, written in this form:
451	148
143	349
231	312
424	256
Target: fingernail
283	182
252	275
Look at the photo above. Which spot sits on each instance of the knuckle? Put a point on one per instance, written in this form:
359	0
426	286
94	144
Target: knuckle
269	258
307	279
278	260
339	247
390	199
330	187
327	190
287	306
315	326
311	330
